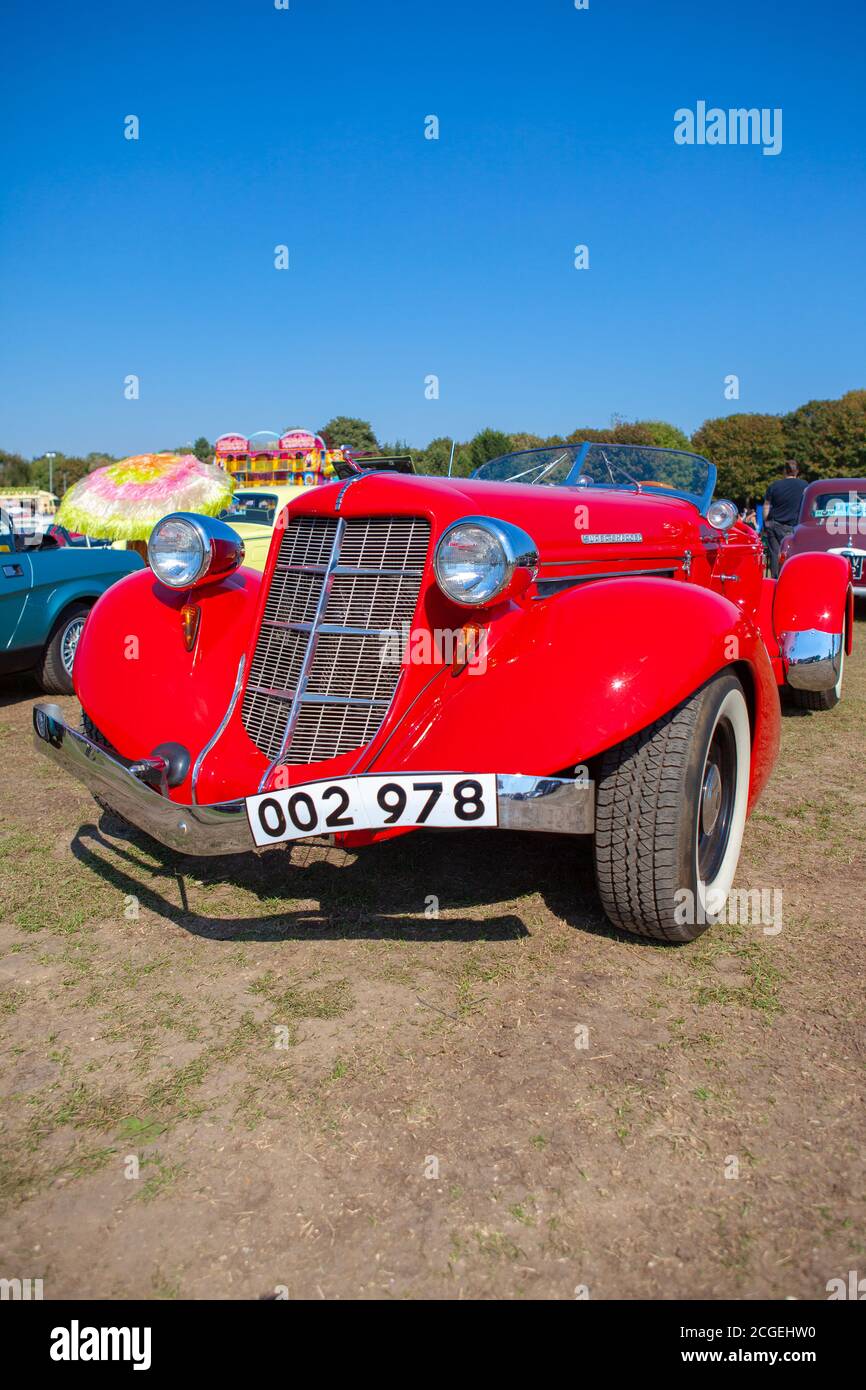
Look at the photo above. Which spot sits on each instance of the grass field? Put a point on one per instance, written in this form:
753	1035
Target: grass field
324	1090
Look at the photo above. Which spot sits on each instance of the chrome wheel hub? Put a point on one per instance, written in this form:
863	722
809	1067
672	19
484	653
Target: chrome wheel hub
69	643
711	798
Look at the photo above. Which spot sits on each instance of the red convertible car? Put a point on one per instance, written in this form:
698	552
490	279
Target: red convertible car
576	640
833	519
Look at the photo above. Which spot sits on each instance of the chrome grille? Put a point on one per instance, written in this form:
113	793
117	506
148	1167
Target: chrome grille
340	727
385	542
308	541
294	596
351	666
317	679
379	601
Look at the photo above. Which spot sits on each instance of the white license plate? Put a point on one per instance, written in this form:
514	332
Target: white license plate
373	803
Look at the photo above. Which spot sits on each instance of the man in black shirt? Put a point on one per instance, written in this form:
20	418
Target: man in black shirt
782	511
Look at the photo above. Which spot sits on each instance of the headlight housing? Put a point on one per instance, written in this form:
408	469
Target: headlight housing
722	514
185	549
479	559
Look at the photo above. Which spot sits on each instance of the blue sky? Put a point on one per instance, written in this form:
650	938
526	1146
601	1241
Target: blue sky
411	257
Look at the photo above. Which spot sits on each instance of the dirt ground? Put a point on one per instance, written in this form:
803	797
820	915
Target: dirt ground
331	1094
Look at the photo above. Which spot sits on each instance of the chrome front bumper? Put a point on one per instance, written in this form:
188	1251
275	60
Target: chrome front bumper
812	659
551	804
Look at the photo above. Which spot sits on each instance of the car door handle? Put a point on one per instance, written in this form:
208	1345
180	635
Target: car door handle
13	571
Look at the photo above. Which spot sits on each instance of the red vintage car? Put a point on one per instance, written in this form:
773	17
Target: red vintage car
576	640
833	519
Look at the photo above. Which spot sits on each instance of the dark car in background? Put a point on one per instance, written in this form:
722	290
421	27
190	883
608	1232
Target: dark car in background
833	519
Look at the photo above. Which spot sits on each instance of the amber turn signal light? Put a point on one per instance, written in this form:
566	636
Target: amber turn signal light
469	646
190	617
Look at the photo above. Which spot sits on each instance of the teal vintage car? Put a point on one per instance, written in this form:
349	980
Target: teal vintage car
46	591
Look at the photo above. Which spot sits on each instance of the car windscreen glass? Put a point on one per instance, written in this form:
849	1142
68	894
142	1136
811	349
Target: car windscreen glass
849	505
637	467
537	466
258	507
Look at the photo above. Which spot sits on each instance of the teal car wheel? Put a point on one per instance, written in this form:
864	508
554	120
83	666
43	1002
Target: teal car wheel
69	642
55	669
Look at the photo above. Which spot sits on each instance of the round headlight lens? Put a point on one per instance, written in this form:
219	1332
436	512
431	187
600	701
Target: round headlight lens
176	552
471	564
722	515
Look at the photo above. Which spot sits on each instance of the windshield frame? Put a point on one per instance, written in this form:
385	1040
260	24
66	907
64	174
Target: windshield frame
700	500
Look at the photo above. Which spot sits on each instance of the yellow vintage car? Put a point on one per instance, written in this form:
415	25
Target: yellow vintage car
252	514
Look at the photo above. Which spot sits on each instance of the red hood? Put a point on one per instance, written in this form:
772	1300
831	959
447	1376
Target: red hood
557	519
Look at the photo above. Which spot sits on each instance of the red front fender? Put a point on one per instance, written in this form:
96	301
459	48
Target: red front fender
133	674
814	591
578	673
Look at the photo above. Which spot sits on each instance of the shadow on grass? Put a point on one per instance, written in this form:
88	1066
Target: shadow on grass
380	892
21	686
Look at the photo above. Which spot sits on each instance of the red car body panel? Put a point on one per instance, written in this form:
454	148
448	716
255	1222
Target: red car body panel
493	722
811	591
575	665
133	674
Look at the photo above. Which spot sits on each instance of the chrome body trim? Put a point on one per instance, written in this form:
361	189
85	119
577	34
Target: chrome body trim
812	659
219	730
552	805
683	559
857	557
611	538
547	587
355	478
219	829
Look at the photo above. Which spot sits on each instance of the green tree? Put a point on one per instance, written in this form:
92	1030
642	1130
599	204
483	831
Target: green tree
664	435
346	429
749	451
526	441
68	469
594	436
487	444
434	459
14	470
658	433
828	438
203	449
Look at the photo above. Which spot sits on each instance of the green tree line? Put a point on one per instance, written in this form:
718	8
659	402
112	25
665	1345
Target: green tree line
826	437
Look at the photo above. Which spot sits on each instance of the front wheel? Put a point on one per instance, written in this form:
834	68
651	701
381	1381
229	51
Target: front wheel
55	668
670	813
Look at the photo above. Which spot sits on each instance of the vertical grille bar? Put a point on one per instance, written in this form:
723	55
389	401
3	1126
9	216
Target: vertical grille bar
321	680
310	653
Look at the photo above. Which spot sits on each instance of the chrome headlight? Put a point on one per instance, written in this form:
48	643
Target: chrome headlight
185	549
721	515
479	559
